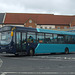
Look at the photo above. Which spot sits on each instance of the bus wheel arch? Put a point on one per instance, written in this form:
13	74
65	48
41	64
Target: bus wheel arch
66	50
31	52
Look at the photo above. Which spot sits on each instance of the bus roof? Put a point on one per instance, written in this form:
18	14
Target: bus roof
19	28
41	30
55	32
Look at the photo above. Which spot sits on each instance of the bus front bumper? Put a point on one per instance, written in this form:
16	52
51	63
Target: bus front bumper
6	49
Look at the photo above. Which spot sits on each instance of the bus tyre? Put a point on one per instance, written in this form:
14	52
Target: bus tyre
31	52
66	51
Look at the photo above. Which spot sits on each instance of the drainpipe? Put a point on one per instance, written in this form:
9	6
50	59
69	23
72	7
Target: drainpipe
4	19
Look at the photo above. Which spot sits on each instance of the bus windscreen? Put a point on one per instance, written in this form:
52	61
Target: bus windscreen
5	38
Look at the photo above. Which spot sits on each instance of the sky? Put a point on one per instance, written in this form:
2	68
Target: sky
57	7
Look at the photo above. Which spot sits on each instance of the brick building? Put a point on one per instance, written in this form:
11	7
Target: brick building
45	21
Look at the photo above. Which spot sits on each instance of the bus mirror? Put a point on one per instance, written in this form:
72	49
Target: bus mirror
11	33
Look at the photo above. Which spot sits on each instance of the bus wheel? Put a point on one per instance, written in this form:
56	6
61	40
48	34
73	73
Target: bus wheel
31	52
66	51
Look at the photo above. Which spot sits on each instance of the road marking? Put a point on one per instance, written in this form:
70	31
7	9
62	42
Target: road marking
38	73
44	59
1	62
55	58
4	73
34	58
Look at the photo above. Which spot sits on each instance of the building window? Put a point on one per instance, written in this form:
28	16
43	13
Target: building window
50	27
45	27
30	21
65	27
30	26
58	27
41	27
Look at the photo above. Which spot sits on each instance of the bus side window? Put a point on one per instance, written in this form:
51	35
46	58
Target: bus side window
48	38
68	39
18	40
40	37
31	37
55	38
73	39
23	38
61	39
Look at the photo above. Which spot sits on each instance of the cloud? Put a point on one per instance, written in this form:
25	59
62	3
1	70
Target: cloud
58	7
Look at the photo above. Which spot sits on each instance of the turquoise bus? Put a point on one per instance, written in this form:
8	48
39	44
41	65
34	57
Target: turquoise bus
30	41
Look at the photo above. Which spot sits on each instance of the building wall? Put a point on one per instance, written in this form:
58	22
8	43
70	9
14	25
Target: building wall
46	26
30	23
62	27
53	26
73	23
34	25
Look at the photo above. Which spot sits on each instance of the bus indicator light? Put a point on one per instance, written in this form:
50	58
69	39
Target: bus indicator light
11	33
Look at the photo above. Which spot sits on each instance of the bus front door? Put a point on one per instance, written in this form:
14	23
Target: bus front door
23	42
20	42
